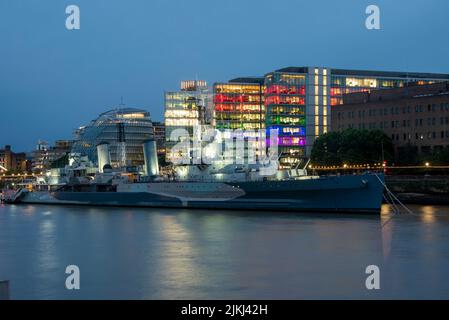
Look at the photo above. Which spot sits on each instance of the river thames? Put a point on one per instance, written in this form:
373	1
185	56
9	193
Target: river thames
126	253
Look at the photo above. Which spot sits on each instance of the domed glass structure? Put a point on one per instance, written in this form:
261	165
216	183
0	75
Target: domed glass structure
125	129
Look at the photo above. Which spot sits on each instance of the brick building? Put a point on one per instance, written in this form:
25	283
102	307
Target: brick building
11	161
415	115
44	154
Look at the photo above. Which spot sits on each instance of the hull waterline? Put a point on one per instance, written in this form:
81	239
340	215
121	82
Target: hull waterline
342	194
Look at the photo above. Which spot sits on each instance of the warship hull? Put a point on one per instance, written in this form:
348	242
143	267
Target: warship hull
344	194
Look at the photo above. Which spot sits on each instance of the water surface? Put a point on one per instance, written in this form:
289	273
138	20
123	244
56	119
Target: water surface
127	253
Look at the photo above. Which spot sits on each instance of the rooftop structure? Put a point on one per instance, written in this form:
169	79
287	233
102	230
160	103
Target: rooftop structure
125	129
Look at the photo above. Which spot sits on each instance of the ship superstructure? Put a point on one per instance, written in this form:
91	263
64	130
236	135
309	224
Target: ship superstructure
215	186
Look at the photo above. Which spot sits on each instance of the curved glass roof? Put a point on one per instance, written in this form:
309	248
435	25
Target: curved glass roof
123	114
133	126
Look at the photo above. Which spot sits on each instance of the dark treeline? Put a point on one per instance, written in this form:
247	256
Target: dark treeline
409	155
352	147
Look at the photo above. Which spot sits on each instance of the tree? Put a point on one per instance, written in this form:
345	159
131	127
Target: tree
352	146
407	155
440	157
60	162
326	149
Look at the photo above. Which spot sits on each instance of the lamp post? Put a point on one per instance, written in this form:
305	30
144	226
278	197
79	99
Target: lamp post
427	164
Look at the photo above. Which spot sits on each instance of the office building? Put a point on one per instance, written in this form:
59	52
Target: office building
45	155
125	129
239	113
298	101
413	115
159	137
12	162
294	101
186	110
239	104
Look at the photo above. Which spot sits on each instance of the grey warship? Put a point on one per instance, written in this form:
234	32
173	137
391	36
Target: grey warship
206	187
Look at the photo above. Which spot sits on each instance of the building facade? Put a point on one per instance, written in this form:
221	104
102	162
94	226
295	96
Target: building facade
40	158
13	162
294	102
298	101
239	114
286	97
186	110
159	137
414	115
125	129
45	155
239	104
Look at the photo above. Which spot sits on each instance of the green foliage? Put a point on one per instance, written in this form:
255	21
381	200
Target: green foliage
439	158
61	162
408	156
352	146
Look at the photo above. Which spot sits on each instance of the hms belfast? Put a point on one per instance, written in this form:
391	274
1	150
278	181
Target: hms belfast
205	187
100	176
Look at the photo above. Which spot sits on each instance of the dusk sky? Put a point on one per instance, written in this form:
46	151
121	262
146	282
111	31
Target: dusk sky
53	80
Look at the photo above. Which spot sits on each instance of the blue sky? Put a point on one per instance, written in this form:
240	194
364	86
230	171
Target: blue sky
53	80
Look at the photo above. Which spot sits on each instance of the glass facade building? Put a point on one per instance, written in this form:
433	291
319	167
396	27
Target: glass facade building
186	109
125	129
285	105
349	81
295	102
239	104
298	101
239	112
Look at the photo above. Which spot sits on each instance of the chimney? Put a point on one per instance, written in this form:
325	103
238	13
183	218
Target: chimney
150	156
104	157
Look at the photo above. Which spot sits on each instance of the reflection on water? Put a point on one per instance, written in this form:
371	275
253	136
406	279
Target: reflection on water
177	261
198	254
428	214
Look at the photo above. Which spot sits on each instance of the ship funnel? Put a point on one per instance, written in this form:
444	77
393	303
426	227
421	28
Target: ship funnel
150	157
104	157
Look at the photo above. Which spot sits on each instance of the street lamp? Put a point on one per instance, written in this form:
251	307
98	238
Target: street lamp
427	167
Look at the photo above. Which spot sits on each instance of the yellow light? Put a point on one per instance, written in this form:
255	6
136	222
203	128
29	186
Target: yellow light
132	115
345	165
427	164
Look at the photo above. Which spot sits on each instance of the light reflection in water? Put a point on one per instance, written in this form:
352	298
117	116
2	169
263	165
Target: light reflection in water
45	254
29	210
177	261
203	254
428	214
386	226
